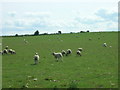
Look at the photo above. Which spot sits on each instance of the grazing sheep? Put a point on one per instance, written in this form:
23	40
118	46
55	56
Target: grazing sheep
69	51
5	51
80	49
11	51
36	58
110	46
104	44
57	56
63	52
25	41
78	52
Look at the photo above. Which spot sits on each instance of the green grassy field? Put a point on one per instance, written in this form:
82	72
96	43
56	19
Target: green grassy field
96	68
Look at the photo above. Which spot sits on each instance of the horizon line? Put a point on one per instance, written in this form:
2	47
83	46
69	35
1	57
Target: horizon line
57	32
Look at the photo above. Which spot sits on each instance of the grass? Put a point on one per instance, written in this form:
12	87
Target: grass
96	68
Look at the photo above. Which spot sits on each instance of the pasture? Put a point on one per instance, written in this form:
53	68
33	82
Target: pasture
96	68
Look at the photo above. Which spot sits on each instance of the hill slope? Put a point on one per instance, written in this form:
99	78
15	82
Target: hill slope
97	67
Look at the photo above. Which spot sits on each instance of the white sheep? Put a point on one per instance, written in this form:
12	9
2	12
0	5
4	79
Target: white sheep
5	51
63	52
104	44
57	56
25	41
36	58
78	52
110	46
11	51
80	49
69	51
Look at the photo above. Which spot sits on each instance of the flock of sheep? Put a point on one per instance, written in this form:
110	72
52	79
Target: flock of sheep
6	51
11	51
59	56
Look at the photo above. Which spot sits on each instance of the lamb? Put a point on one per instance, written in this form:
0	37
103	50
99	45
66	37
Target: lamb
36	58
104	44
78	53
69	51
80	49
63	52
57	56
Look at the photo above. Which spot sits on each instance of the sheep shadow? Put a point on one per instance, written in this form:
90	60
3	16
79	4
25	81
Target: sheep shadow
34	64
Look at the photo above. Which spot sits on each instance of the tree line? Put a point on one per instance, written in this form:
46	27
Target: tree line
36	33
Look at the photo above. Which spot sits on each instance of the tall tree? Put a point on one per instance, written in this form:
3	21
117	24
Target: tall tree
36	32
59	32
16	35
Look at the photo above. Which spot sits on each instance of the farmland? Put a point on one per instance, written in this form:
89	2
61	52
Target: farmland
96	68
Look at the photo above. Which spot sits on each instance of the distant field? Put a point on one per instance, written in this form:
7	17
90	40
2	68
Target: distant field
96	68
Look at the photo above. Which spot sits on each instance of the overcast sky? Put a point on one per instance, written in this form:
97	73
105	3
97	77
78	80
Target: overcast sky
49	16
